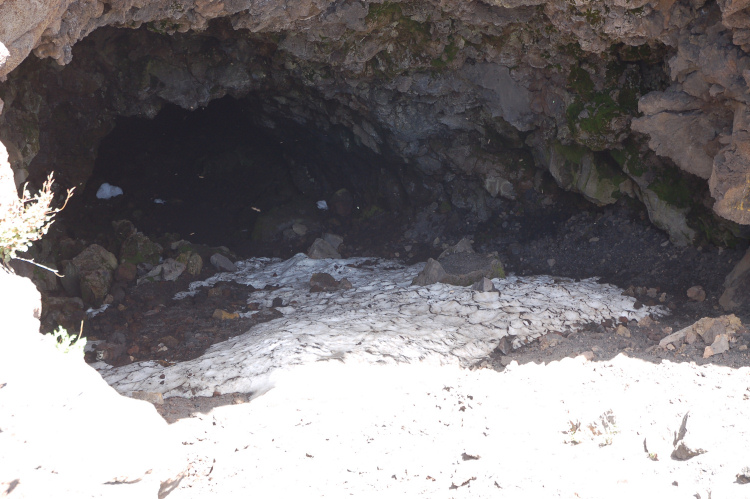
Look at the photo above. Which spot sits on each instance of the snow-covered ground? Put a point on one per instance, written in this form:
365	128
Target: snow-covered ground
383	319
568	429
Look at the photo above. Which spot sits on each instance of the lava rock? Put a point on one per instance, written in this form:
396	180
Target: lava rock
432	273
737	285
719	345
220	262
70	280
321	281
333	240
45	280
192	261
126	272
484	285
696	293
463	246
138	248
684	450
322	249
95	267
170	270
459	269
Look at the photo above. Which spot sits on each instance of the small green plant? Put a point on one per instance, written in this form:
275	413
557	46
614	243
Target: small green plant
67	343
26	220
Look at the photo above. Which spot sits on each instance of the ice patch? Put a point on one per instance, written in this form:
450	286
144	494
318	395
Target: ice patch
93	312
107	191
383	319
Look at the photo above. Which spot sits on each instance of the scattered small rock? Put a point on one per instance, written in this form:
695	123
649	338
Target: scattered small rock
696	293
170	341
744	475
622	331
170	270
223	315
506	360
321	282
155	398
720	345
484	285
646	321
684	451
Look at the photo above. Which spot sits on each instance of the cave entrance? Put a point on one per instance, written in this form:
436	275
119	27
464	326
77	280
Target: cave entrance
230	175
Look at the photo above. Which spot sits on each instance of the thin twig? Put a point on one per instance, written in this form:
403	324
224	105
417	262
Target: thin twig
38	265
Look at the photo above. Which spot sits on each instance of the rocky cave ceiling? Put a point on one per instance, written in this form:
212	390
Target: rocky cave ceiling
613	98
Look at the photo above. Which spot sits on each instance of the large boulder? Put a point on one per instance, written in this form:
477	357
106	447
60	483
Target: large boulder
95	267
138	248
459	265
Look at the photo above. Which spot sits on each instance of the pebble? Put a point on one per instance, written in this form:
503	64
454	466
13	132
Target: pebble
623	331
696	293
506	360
153	397
720	345
224	315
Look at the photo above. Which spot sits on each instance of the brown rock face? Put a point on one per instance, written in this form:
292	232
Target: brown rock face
730	179
448	87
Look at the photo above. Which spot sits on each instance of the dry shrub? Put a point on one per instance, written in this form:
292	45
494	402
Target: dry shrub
27	220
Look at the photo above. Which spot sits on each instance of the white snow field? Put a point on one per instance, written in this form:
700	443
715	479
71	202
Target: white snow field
383	319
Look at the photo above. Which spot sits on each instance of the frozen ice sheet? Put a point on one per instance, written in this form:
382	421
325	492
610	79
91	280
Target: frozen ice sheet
382	319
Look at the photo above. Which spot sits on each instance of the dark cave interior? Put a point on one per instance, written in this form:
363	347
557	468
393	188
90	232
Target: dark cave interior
210	175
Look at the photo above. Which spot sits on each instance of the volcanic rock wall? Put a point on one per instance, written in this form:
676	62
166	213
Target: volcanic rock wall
614	98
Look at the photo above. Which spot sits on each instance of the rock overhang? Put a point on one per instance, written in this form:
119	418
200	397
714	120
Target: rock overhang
440	85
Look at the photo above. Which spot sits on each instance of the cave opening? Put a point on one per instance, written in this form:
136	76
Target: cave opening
231	175
226	138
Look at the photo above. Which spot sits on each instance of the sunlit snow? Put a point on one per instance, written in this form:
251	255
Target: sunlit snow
382	319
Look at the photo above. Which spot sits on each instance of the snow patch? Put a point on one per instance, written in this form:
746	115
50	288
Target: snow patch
383	319
107	191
